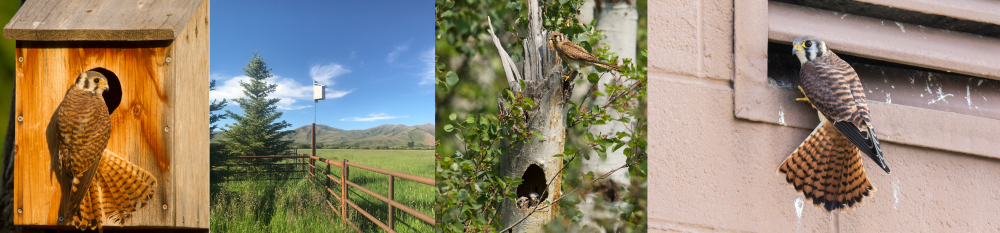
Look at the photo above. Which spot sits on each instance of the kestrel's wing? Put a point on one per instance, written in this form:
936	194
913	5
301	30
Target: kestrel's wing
84	128
834	89
575	52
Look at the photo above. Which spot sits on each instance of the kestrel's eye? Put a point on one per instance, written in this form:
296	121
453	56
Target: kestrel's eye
97	80
808	44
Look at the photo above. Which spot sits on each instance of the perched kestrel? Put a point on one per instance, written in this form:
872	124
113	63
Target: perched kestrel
84	128
99	183
575	56
827	166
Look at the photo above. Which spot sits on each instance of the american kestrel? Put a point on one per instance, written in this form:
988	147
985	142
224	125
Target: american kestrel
576	57
827	166
84	128
522	202
533	199
99	182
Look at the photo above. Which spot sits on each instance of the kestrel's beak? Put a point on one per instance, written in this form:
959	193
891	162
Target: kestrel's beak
797	49
104	85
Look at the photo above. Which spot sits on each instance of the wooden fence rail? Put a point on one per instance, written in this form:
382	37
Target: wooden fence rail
250	169
345	184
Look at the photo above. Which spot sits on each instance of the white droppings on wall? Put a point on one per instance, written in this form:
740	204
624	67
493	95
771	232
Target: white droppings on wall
888	98
895	193
968	96
901	27
799	203
781	115
941	96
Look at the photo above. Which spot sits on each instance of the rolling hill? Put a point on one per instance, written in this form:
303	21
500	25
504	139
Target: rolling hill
383	135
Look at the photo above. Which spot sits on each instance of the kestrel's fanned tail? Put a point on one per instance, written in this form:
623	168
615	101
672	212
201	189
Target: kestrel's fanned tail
126	186
827	169
120	189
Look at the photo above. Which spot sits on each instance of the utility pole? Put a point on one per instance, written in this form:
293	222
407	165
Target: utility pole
319	93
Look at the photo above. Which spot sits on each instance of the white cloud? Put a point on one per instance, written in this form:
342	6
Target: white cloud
353	54
427	59
373	117
395	52
323	73
290	91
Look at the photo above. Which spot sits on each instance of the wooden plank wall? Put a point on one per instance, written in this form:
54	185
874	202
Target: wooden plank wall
190	130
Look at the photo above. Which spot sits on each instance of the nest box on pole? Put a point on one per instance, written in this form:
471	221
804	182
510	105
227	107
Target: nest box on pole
155	55
319	91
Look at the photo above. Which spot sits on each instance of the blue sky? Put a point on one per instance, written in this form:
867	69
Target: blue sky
375	57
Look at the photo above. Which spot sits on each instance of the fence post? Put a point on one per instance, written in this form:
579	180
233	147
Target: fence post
328	181
391	190
343	189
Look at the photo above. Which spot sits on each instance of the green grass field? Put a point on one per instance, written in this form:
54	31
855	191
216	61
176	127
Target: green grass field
297	206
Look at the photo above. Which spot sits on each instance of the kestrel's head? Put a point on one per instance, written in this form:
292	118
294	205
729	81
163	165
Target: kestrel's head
92	82
807	48
557	37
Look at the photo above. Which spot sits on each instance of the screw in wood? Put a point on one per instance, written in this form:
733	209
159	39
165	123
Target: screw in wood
169	59
60	218
20	118
19	210
20	59
164	206
166	129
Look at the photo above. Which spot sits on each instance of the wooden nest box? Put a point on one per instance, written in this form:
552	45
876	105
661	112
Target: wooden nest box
155	55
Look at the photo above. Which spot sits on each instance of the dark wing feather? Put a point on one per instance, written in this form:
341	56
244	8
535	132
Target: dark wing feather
863	141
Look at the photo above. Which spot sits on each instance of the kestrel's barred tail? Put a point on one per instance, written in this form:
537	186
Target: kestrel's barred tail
827	168
607	66
90	213
126	186
120	190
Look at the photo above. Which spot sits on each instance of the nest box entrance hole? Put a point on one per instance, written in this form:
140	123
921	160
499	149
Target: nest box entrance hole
533	181
113	96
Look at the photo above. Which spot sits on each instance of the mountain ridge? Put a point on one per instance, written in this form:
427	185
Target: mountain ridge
387	135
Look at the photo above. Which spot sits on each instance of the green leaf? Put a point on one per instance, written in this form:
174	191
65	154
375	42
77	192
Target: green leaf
452	78
448	128
529	101
453	116
593	78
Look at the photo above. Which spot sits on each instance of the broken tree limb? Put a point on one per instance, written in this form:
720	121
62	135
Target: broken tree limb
545	85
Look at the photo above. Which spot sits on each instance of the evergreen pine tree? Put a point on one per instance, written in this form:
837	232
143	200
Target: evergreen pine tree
212	107
257	132
217	174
